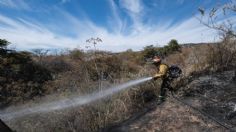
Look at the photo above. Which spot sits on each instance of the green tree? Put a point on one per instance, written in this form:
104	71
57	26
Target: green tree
4	43
149	51
173	45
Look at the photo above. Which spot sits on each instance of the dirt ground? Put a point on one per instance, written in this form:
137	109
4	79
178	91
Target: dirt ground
213	94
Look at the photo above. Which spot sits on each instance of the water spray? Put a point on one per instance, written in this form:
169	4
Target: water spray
69	102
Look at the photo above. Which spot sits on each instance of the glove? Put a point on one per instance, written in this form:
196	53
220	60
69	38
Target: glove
154	78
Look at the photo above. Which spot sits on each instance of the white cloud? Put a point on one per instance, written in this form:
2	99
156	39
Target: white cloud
8	3
133	6
27	35
16	4
135	9
65	1
115	21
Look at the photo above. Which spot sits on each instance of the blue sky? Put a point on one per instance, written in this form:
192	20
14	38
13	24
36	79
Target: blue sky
121	24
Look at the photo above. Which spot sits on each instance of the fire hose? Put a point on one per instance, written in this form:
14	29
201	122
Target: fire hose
203	113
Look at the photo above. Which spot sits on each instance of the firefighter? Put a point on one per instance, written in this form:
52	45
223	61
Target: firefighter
163	74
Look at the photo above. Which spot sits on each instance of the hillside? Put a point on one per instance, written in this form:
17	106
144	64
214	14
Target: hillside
43	78
211	94
117	65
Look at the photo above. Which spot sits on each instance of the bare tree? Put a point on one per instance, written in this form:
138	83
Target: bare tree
219	18
40	53
212	19
94	42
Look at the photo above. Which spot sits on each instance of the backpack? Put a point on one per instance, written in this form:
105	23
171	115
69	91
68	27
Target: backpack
174	72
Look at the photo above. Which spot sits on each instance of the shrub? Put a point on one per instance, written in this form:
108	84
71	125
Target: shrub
104	68
149	51
77	54
221	56
172	47
57	64
20	77
4	43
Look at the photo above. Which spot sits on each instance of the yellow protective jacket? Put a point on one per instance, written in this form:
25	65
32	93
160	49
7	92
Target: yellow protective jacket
162	72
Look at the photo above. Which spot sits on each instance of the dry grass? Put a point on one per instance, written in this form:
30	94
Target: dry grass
80	74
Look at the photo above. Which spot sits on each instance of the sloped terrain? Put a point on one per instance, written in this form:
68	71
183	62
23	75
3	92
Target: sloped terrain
214	95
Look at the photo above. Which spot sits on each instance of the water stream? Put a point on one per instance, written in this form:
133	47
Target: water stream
69	102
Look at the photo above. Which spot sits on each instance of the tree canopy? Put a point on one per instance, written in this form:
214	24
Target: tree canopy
4	43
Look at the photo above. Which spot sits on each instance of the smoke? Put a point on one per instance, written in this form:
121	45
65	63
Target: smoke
69	102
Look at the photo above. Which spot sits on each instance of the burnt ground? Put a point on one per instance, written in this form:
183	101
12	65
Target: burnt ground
214	95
